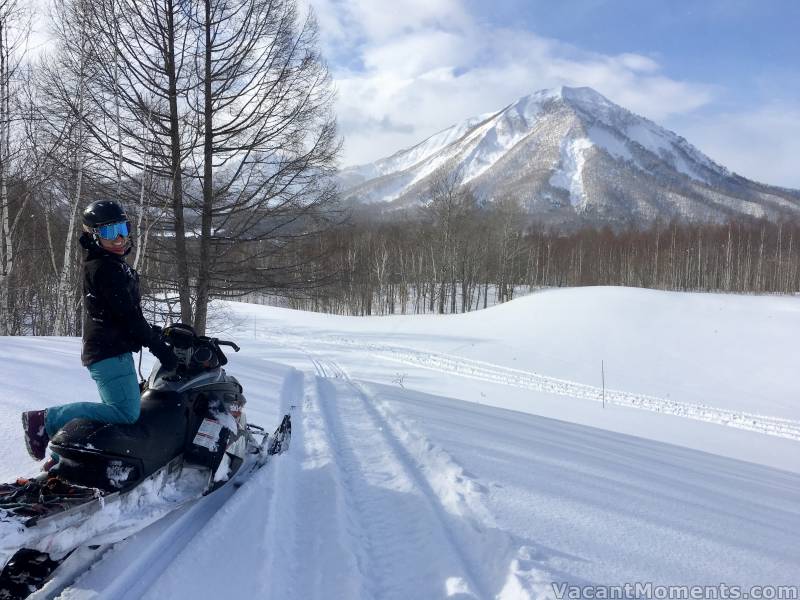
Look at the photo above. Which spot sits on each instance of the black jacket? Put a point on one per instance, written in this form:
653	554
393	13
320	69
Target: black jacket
114	323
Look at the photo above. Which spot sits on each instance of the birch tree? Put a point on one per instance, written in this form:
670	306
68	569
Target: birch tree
65	77
13	30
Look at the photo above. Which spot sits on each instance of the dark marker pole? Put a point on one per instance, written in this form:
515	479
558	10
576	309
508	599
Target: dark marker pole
603	375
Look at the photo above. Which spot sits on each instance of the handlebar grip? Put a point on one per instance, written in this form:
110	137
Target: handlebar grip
231	344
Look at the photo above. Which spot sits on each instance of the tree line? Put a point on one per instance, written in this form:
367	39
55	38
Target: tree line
459	255
211	122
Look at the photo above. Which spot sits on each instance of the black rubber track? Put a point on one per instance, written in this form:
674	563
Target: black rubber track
26	572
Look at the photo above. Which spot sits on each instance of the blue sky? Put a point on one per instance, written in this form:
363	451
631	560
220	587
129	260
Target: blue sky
750	48
725	74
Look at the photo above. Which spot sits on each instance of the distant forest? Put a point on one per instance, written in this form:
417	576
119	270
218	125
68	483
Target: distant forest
463	256
458	254
467	261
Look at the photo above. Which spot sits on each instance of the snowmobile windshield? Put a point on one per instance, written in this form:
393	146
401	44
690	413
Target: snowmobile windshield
112	230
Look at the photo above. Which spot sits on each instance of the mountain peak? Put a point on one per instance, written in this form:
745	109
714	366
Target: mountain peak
582	94
568	152
569	94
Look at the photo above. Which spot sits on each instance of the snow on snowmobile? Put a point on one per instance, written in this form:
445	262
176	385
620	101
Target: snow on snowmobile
110	481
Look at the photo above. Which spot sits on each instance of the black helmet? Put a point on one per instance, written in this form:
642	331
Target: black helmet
103	212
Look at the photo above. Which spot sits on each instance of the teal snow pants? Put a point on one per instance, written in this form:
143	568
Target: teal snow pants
119	391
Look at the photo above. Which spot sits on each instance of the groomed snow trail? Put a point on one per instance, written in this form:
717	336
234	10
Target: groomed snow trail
600	507
489	372
401	516
423	528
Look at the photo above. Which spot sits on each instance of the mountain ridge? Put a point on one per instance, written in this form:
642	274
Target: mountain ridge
571	157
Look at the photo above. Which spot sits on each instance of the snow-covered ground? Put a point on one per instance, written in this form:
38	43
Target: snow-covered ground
471	456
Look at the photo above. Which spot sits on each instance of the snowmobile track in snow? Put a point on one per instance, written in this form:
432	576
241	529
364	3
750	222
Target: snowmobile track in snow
410	497
485	371
389	491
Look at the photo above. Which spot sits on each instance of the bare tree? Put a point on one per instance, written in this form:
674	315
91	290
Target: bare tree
65	78
231	102
139	96
13	31
268	143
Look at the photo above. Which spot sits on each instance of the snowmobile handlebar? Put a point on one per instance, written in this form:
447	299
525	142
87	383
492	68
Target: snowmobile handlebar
191	348
226	343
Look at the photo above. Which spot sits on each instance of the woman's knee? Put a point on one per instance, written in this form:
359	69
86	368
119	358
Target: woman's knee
127	415
125	403
122	394
131	414
130	407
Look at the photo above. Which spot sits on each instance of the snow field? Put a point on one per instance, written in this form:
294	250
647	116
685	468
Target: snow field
469	457
485	371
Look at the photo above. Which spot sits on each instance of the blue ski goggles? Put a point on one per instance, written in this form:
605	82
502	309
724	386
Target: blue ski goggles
112	230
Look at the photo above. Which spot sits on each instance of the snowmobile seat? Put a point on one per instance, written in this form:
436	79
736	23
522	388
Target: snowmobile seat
118	456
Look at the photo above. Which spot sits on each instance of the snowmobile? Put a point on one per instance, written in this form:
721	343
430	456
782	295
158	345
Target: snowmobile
191	438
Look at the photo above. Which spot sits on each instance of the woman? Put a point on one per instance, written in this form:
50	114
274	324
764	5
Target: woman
114	328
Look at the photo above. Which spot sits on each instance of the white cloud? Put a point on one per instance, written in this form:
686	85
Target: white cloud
417	54
381	20
352	22
637	62
423	65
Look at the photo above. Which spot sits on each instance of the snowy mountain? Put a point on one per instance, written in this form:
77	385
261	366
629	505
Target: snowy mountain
571	157
471	456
